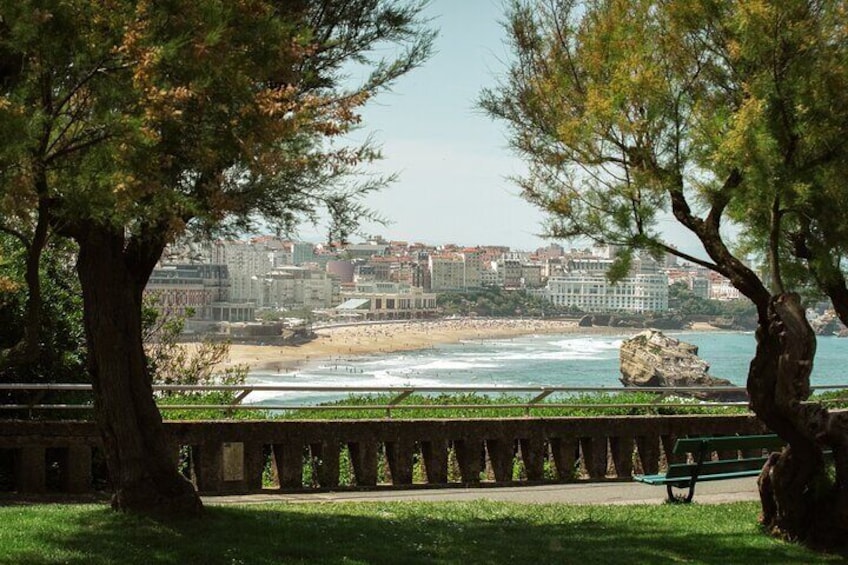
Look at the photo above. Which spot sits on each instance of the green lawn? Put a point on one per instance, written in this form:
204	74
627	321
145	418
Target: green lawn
479	532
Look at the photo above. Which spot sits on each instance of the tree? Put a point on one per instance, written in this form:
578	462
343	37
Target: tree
135	121
629	112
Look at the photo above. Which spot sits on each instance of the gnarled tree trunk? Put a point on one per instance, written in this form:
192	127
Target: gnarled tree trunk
799	501
142	463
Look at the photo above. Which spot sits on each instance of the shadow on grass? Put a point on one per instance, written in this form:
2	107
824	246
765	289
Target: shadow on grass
479	532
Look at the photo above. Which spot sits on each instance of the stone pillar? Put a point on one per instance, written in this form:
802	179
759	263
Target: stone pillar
435	455
502	456
649	453
77	475
208	467
254	466
31	469
668	442
533	454
564	452
363	456
400	457
621	449
469	453
325	456
594	450
288	457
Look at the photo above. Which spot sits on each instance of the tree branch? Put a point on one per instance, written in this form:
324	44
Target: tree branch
708	232
16	234
686	257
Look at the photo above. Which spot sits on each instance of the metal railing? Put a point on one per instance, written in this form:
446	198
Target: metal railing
538	396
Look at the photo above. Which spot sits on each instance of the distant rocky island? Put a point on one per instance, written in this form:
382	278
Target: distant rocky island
653	359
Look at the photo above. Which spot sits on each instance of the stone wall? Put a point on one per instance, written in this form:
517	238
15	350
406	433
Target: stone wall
231	457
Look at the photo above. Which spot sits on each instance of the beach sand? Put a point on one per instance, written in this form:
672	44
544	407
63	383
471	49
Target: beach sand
363	339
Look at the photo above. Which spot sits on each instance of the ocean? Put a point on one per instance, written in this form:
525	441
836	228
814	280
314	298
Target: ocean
532	360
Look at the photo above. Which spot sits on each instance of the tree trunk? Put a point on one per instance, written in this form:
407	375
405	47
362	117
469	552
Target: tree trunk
799	501
142	463
28	350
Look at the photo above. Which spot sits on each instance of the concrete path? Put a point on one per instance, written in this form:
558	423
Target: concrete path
715	492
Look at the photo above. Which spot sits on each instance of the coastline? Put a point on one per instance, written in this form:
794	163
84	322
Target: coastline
388	337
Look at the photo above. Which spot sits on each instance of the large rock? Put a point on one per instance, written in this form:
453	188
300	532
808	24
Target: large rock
652	359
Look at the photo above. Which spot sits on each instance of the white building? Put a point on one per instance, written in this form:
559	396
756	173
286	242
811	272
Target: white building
296	288
723	289
246	261
585	287
388	301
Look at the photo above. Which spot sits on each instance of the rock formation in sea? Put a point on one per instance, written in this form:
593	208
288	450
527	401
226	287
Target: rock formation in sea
633	321
653	359
828	324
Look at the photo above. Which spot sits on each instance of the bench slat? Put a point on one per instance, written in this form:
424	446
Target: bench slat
684	481
716	467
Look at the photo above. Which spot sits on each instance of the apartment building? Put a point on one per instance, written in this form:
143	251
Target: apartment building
246	261
447	272
722	289
509	271
585	286
475	264
296	288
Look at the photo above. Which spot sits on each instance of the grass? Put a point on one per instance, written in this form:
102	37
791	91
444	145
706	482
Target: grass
462	405
471	405
408	532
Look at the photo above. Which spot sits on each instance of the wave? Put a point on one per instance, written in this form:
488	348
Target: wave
593	344
453	365
365	379
564	360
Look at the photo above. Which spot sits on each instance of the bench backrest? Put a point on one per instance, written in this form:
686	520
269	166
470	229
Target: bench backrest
729	443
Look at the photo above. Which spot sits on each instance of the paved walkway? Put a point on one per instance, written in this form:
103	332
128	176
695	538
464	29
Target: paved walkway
715	492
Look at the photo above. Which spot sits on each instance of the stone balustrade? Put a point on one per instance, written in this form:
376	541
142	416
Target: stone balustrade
232	456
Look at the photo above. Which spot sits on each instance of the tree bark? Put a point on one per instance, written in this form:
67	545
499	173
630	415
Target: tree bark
142	463
799	501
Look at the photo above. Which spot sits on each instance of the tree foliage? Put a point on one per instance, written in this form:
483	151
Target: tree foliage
630	112
218	113
683	301
496	302
61	339
126	123
171	362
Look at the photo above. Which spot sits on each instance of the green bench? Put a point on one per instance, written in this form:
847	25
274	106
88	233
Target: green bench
704	468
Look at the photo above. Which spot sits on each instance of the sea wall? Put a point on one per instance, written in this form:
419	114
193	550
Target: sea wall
248	457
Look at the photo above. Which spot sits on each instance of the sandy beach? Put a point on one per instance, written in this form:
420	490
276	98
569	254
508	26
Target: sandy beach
364	339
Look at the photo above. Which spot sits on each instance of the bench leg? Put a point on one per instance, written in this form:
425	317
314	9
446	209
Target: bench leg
674	499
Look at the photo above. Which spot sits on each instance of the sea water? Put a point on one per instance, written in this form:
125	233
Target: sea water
570	360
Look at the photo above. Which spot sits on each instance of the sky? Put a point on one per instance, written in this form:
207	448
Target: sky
452	160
